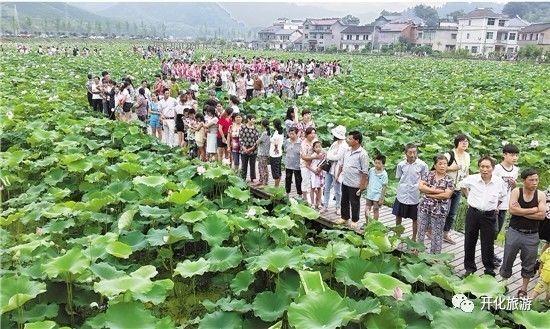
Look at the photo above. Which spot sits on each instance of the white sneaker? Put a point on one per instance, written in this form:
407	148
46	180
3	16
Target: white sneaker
340	221
337	211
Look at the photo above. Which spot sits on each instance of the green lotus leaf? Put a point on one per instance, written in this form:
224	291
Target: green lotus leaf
351	271
177	234
193	216
39	312
276	260
242	281
312	282
220	319
82	165
40	325
319	310
417	272
126	219
73	262
134	239
224	258
532	319
119	249
238	194
387	318
228	305
383	285
216	172
16	291
157	237
445	282
154	212
189	268
383	263
213	230
181	197
288	284
454	318
130	167
138	282
362	307
426	304
129	315
151	181
281	222
302	210
269	306
105	271
158	292
484	285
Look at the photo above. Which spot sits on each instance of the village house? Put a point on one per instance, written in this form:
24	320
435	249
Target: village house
281	35
357	38
483	31
535	34
394	32
441	38
322	34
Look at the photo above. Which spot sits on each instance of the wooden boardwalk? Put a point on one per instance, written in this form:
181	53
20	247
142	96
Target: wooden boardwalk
330	217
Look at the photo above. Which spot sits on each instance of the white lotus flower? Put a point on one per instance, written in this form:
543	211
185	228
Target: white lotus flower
398	111
201	170
9	114
504	143
94	305
42	82
534	144
87	129
342	92
404	119
165	238
330	124
385	112
251	212
377	115
170	192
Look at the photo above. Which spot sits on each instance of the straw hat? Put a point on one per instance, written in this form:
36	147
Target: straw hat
339	132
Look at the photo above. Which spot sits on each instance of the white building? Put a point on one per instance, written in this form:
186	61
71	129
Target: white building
357	38
321	34
483	31
281	35
441	38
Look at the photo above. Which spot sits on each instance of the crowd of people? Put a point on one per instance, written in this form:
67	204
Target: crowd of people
427	195
53	50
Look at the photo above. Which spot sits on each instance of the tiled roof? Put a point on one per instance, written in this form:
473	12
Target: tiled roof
270	29
483	13
535	28
359	29
286	32
394	27
322	21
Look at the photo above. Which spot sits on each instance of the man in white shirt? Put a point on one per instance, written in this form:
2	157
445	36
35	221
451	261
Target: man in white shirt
167	109
485	192
509	172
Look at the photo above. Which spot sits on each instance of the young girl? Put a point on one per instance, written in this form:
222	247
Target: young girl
200	135
154	117
263	153
317	178
233	137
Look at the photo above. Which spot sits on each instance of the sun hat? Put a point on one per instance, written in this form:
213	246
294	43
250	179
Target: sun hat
339	132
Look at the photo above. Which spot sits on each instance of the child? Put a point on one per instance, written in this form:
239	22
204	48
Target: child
200	135
317	179
543	285
376	189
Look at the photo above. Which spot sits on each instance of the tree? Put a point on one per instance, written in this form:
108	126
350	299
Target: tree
389	13
428	14
350	20
456	14
516	8
28	24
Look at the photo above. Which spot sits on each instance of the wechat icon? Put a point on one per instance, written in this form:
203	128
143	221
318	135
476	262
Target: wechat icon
462	302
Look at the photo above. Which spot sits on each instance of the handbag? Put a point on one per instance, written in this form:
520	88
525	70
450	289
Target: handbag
325	165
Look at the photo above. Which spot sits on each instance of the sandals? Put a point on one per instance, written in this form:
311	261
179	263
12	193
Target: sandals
521	294
449	240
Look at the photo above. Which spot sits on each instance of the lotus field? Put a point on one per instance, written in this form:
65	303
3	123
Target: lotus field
103	227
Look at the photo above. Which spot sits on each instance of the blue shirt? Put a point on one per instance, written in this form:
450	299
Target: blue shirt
377	180
409	175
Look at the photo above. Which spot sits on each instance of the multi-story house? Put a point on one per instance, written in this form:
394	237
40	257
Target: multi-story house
281	35
535	34
441	38
321	34
483	31
357	38
394	32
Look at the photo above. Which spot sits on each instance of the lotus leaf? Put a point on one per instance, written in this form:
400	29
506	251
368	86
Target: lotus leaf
213	230
151	181
129	315
39	312
189	268
532	319
40	325
16	291
193	216
454	318
302	210
385	319
417	272
484	285
182	196
119	249
319	310
351	271
269	306
138	282
224	258
73	262
242	281
276	260
126	219
220	319
383	285
425	304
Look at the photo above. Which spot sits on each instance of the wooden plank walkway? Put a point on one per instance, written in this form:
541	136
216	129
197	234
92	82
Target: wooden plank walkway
330	217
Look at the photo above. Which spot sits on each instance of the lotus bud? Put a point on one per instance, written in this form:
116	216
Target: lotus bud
534	144
201	170
377	115
385	112
170	192
251	212
398	293
9	114
87	129
504	143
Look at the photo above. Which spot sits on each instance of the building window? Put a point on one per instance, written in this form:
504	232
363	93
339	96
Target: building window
348	36
453	36
530	36
357	37
322	36
489	35
419	35
474	49
306	36
467	35
365	37
501	22
469	22
490	21
512	36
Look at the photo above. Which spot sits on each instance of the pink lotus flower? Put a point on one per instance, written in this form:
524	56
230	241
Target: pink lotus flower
201	170
398	293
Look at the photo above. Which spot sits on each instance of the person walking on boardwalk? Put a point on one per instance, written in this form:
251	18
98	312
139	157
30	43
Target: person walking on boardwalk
334	155
484	192
528	208
408	172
